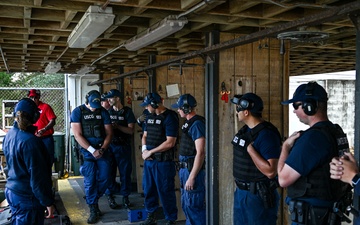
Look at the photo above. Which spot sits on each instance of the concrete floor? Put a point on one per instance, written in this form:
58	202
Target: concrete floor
70	201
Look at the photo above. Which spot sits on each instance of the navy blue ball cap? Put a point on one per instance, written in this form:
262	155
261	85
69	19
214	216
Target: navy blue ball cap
26	105
95	100
151	97
186	98
311	90
113	93
249	101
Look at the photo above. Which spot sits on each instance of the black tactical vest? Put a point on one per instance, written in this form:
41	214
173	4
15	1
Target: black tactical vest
118	117
155	128
187	145
243	166
318	183
92	123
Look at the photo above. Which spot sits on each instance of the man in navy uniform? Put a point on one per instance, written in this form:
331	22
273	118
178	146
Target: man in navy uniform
123	122
158	149
192	161
92	129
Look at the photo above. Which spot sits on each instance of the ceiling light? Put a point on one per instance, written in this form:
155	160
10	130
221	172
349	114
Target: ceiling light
162	29
94	22
86	69
53	67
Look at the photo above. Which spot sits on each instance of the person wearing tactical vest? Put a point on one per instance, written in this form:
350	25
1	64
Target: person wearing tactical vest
93	131
105	102
256	151
28	188
123	123
158	149
192	157
313	197
346	169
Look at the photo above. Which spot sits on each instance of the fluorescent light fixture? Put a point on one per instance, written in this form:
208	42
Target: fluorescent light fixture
160	30
53	67
94	22
86	69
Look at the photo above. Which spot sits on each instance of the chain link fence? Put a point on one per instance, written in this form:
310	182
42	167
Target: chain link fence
55	97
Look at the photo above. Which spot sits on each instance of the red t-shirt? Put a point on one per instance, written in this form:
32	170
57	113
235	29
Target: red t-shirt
46	114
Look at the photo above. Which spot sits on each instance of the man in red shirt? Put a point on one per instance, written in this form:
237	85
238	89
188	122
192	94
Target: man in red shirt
46	122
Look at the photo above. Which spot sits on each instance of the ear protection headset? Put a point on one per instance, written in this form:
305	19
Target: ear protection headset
28	104
89	94
152	101
244	104
309	105
186	108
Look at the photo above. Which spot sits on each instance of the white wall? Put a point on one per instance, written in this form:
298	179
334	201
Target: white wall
78	88
341	105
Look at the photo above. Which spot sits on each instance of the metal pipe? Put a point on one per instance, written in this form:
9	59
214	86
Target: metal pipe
326	16
201	4
62	54
177	17
3	57
108	53
103	7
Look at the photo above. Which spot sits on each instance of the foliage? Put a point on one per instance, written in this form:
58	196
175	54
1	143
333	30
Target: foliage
31	80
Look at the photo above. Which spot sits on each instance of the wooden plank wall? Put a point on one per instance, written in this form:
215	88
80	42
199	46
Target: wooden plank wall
243	69
246	68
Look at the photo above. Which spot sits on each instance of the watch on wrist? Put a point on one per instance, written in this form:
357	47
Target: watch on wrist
356	179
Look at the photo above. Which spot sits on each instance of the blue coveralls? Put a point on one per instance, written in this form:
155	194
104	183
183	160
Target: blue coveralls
121	153
29	186
193	201
248	207
311	150
96	172
159	176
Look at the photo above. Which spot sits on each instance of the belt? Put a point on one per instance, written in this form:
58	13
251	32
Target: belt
183	165
242	185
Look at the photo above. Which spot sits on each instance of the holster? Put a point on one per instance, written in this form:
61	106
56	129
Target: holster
266	194
318	216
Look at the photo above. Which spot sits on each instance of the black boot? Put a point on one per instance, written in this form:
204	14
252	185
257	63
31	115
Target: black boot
97	210
112	203
150	220
126	202
93	218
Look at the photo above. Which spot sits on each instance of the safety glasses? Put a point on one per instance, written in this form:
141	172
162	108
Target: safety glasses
296	105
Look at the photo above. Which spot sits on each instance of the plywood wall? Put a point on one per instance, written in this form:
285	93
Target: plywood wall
243	69
246	68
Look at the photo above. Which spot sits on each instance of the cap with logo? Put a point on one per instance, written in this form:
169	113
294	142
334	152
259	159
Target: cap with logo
186	99
151	99
311	90
94	100
113	93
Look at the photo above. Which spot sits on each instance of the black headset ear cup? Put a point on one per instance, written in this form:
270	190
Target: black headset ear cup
186	107
309	106
153	102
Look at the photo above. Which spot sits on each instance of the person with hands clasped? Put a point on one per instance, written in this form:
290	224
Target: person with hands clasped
28	186
93	131
192	161
123	123
158	149
256	152
346	169
313	197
